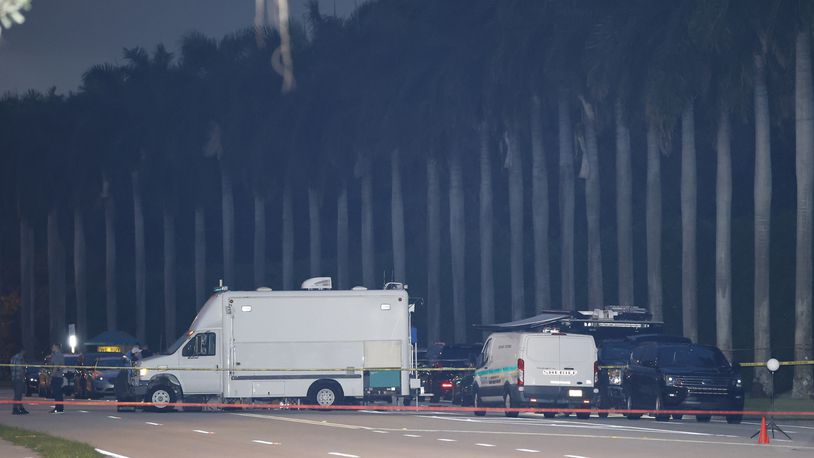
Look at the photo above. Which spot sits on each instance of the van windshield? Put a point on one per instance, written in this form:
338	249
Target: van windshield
691	356
176	345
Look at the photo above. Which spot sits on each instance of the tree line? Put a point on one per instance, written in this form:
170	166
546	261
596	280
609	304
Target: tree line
457	146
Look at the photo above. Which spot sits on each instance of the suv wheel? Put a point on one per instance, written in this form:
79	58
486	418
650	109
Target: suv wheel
631	416
660	416
507	402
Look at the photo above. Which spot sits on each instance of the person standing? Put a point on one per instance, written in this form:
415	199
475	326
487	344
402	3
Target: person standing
18	381
57	374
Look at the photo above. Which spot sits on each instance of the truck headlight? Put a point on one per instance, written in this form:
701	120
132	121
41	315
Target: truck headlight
142	372
615	376
669	380
738	383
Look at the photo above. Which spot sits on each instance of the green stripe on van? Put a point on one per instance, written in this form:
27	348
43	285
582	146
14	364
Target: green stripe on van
497	370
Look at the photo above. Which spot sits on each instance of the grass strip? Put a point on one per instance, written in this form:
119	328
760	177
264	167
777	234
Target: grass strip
46	445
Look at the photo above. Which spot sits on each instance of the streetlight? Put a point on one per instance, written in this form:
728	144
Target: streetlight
772	365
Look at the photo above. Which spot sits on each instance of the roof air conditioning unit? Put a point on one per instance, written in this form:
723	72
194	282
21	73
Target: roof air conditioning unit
317	283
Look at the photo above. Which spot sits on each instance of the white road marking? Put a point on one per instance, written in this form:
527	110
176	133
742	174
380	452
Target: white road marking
114	417
152	424
343	454
380	432
447	440
83	411
574	456
485	445
256	441
300	420
106	453
202	431
527	450
411	435
371	411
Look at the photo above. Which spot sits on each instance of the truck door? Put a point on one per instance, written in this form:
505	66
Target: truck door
201	353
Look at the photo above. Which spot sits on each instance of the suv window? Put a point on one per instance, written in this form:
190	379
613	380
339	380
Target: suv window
201	345
691	356
643	355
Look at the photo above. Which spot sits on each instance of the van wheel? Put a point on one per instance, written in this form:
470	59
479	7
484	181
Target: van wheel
549	414
677	416
160	396
476	402
583	415
603	414
631	416
703	418
734	419
325	394
660	416
507	402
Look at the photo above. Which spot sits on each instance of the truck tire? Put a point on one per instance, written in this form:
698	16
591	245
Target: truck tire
631	416
660	416
549	414
734	419
507	402
703	418
325	394
476	402
160	395
583	415
603	414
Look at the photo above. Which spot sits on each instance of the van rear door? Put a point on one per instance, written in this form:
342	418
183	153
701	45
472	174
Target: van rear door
542	360
577	357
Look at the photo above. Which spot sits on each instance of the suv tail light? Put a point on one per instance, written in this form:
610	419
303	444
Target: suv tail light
521	369
596	373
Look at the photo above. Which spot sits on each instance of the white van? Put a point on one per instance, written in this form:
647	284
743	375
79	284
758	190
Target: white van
318	345
536	369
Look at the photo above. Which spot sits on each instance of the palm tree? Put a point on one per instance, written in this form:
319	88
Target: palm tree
624	203
653	222
689	222
397	219
514	162
539	191
433	251
342	274
457	235
567	202
590	172
368	240
804	129
487	273
723	234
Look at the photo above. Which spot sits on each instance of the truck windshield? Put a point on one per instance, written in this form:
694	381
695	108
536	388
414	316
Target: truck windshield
175	346
691	356
613	353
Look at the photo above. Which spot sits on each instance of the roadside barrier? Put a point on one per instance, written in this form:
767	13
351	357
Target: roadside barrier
335	369
406	408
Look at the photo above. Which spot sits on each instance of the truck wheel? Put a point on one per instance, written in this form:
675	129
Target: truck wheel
507	401
583	415
703	418
677	416
660	416
603	414
476	402
734	419
160	396
549	414
326	394
631	416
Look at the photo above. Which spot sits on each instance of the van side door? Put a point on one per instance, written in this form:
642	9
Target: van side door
485	377
201	352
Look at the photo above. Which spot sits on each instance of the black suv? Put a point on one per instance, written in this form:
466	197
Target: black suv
439	355
679	375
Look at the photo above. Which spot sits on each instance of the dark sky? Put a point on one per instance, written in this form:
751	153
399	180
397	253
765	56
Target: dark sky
62	38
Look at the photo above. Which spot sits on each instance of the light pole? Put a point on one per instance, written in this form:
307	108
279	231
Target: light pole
773	365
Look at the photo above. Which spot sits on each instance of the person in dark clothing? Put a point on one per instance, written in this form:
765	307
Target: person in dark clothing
18	381
57	374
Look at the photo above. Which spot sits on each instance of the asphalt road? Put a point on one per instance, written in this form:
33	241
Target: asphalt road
287	433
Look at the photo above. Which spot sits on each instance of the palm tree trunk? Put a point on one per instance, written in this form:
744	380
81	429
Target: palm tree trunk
624	211
26	281
79	269
457	236
110	261
228	209
139	257
592	207
566	143
689	263
515	165
653	220
288	239
342	237
259	240
368	244
433	252
397	220
200	256
169	275
487	272
763	219
539	209
804	127
723	237
56	298
315	227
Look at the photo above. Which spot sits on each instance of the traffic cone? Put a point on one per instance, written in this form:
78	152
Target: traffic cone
763	438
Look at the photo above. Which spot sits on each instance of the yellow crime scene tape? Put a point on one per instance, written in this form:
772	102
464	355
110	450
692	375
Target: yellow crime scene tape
330	369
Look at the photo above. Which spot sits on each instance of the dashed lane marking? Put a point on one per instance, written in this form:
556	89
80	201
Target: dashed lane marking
111	454
343	454
200	431
574	456
257	441
411	435
447	440
153	424
83	411
380	432
527	450
113	417
485	445
300	420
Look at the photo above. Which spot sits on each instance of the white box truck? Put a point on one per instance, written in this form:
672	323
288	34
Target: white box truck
536	369
319	345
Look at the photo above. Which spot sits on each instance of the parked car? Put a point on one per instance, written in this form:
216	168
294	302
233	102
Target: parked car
442	355
679	375
72	375
32	380
463	390
613	356
100	376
